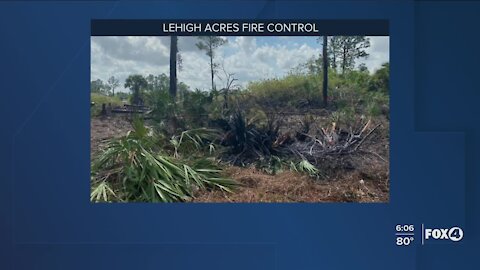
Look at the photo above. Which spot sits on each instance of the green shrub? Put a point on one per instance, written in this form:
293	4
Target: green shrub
376	101
343	117
196	106
379	81
140	170
293	91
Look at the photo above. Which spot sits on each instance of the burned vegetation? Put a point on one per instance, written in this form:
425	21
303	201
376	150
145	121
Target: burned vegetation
272	140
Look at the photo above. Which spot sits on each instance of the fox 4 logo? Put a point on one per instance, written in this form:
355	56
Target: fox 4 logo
454	234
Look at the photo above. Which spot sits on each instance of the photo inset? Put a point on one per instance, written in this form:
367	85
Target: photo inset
240	119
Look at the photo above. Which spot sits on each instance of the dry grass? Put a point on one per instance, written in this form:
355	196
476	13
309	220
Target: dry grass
294	187
363	177
103	129
360	177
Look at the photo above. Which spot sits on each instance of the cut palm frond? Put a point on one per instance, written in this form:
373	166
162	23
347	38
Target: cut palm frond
195	140
147	173
102	192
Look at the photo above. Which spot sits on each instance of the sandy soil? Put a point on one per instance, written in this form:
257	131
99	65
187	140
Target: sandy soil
104	128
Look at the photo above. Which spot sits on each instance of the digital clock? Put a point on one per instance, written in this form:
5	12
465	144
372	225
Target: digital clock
404	228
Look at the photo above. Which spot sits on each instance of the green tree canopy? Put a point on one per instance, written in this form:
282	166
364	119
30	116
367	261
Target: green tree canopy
98	86
136	83
343	51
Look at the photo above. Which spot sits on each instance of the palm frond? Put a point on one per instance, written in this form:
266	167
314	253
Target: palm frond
307	167
102	192
150	174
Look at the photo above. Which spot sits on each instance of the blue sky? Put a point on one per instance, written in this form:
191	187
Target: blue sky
249	58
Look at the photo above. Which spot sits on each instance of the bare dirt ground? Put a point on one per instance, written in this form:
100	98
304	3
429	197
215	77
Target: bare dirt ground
361	184
362	177
104	128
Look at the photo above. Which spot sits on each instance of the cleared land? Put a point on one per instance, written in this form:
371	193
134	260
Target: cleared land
362	176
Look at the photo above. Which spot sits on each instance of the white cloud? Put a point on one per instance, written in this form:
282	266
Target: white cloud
250	58
246	44
379	53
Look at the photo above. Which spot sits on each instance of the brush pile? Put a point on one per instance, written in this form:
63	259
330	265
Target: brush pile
332	141
250	143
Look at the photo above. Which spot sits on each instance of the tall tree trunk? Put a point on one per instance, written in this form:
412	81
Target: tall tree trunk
334	61
325	72
173	66
212	72
211	66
